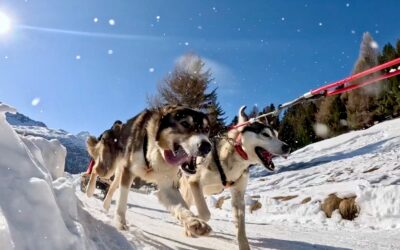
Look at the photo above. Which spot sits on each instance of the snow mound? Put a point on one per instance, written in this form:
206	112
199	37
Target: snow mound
37	212
364	163
77	156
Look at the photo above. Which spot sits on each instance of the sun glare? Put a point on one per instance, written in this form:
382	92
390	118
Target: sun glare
5	23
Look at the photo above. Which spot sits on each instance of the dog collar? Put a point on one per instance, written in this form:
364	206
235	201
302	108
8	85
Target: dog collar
239	149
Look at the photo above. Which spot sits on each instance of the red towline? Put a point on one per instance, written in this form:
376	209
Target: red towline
333	88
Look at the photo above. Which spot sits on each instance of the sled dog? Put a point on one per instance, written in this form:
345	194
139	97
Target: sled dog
227	167
157	145
103	151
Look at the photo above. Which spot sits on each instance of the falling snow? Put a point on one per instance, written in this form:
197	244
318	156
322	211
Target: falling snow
151	70
158	18
78	57
111	22
374	45
283	19
110	52
35	101
186	43
353	31
347	5
320	23
95	19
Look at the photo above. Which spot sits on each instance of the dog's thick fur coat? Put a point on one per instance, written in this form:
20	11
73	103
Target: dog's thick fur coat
156	143
208	179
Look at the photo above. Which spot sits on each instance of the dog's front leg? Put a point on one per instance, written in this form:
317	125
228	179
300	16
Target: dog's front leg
238	209
113	187
204	212
126	182
170	197
92	184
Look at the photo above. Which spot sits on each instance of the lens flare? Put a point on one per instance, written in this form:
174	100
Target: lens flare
5	23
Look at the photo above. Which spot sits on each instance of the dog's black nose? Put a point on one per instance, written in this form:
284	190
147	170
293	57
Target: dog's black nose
204	148
286	148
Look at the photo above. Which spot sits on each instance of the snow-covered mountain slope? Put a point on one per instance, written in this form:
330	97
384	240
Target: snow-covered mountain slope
38	206
77	157
363	163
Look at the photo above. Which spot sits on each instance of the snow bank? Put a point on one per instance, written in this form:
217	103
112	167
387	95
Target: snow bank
36	213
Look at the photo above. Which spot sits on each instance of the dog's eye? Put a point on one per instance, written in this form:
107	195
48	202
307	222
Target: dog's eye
185	124
265	134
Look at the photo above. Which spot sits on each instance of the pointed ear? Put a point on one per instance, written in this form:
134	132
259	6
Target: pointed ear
242	117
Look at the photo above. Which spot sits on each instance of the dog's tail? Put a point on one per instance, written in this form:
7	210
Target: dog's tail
186	193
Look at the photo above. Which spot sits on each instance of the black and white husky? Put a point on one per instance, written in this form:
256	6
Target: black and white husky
227	167
156	145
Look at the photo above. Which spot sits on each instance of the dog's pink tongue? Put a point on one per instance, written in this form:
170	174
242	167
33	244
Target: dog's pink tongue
175	159
267	155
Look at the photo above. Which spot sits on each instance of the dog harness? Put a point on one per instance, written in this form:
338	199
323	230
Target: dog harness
239	150
145	143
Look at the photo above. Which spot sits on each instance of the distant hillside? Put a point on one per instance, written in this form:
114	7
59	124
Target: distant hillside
77	157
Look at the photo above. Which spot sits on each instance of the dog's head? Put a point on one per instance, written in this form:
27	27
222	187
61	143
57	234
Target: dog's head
104	149
182	136
261	141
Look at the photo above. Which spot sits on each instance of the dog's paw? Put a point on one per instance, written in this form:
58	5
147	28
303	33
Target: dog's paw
106	206
120	223
196	227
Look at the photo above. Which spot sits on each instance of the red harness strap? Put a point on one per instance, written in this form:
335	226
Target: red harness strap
239	149
90	167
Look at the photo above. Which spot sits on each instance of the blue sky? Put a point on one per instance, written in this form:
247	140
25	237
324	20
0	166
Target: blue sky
88	73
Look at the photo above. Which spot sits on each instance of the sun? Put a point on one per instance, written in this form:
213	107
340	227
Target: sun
5	23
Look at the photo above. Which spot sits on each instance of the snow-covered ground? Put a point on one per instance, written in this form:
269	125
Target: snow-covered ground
362	163
41	210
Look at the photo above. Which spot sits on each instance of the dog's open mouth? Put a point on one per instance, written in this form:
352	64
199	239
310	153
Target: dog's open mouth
265	157
189	167
177	156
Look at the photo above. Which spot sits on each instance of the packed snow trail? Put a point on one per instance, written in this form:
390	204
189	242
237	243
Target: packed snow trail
151	227
363	163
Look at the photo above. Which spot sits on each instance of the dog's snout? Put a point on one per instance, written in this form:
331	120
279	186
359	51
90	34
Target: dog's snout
204	148
285	148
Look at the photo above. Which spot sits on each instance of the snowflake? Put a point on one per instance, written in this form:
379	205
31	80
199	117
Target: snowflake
215	9
376	31
353	31
95	19
283	19
158	18
151	70
186	43
5	57
347	5
374	45
78	57
320	24
111	22
199	27
110	52
298	30
35	101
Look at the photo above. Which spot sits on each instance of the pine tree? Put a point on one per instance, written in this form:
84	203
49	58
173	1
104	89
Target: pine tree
187	85
332	113
296	127
388	104
361	104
